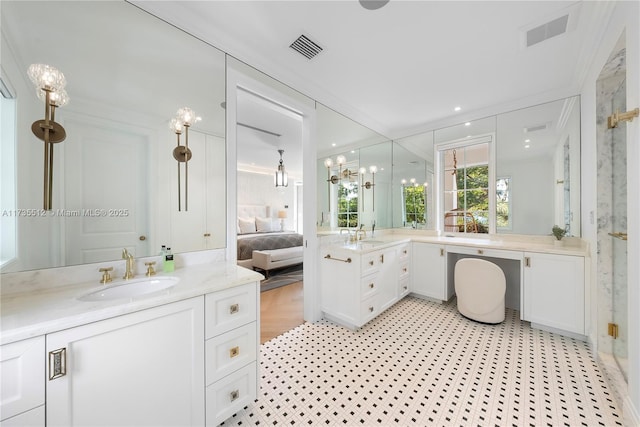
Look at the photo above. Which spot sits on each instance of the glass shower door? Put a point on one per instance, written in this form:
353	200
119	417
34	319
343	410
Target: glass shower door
619	231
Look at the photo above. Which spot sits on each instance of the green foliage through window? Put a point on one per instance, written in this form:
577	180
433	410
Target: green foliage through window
348	204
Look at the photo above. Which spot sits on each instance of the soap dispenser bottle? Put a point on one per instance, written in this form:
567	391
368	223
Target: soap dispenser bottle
168	265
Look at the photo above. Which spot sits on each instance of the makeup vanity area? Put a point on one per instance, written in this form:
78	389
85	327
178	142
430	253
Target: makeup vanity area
545	283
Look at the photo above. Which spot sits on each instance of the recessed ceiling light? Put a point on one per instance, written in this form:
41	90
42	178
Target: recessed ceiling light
527	140
333	145
468	124
457	109
353	151
527	146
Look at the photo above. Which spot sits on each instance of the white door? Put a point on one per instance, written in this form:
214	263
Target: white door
106	190
427	275
143	368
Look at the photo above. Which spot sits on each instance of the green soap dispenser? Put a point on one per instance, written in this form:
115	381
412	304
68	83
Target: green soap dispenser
168	264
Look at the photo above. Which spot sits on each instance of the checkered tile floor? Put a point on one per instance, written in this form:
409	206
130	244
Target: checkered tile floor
423	364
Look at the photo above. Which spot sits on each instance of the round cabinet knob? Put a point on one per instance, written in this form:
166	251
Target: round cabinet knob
142	238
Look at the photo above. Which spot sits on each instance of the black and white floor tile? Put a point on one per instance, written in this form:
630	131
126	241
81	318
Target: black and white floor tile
423	364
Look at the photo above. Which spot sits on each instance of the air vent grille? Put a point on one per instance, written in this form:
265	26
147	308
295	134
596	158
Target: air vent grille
536	128
306	47
546	31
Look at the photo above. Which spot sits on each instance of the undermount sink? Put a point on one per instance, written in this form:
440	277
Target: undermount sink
131	288
370	243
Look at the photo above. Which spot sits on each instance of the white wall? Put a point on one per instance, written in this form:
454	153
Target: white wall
259	189
625	18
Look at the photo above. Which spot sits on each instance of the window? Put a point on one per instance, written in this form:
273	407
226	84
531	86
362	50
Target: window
466	196
503	203
347	204
413	200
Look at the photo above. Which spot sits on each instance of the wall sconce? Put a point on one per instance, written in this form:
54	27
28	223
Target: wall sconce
369	185
50	85
342	174
282	215
282	180
185	117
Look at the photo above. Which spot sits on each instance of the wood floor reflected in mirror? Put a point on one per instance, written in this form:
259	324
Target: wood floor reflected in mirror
281	309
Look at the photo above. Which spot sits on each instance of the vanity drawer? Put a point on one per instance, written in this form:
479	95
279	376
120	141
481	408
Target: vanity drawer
370	263
403	252
22	376
404	271
32	418
228	309
229	395
403	287
232	350
369	308
368	286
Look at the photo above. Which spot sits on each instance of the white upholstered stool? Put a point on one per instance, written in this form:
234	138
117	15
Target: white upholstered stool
480	290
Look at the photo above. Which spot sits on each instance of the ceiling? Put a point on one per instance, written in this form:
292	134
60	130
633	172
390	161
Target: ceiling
403	68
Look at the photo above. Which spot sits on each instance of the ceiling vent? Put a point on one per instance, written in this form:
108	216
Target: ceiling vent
546	31
306	47
536	128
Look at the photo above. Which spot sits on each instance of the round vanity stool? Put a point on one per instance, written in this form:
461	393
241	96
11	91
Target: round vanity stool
480	289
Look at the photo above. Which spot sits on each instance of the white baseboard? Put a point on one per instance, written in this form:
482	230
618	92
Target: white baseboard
630	415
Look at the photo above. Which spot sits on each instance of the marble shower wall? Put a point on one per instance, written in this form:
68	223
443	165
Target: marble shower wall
612	210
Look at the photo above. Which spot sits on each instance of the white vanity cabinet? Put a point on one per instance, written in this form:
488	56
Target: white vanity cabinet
356	287
142	368
554	294
231	351
22	389
428	277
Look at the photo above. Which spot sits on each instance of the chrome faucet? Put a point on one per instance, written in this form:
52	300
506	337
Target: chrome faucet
129	261
362	234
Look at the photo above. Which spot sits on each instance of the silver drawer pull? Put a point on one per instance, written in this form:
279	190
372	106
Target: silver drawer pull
234	352
371	262
404	251
234	395
371	309
234	308
57	363
404	270
371	285
480	251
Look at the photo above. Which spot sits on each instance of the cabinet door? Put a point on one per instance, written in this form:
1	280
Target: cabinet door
143	368
32	418
21	376
388	277
428	271
554	291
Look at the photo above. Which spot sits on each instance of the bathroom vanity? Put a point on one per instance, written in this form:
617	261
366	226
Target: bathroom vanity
185	355
546	283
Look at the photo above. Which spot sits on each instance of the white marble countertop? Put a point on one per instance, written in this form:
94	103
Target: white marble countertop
43	311
571	246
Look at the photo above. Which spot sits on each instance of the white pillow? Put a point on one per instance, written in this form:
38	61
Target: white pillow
247	225
263	224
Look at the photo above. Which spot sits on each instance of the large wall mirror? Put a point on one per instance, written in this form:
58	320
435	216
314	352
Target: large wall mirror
354	174
537	171
413	179
115	179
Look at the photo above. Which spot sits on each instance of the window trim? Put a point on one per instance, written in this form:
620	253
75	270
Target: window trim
439	150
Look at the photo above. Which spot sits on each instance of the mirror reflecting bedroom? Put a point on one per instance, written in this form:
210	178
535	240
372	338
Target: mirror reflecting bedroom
269	194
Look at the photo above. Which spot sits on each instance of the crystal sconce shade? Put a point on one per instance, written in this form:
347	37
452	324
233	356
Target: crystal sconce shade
49	83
